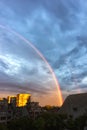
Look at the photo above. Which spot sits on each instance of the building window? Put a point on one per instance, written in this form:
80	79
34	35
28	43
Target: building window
3	118
75	109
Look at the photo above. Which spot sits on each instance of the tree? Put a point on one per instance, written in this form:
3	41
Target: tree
39	124
3	127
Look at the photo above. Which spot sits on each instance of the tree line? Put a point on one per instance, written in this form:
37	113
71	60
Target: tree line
47	121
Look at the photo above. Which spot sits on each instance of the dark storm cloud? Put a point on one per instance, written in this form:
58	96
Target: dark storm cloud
71	57
82	40
64	11
67	57
21	88
3	64
70	70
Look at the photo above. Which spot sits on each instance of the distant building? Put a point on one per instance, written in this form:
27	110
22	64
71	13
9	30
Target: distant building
3	104
12	100
5	115
14	107
34	109
22	99
74	105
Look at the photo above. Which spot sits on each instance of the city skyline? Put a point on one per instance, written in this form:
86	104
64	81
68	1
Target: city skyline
58	30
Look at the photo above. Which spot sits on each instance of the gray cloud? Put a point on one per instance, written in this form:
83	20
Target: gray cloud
58	29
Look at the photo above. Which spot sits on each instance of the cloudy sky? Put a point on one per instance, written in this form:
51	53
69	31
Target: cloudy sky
58	29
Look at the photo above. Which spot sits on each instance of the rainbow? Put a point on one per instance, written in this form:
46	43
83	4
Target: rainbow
60	98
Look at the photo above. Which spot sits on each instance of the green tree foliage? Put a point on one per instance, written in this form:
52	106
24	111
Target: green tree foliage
39	124
47	121
20	124
80	122
3	127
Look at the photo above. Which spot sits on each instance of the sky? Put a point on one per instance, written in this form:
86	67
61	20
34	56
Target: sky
58	29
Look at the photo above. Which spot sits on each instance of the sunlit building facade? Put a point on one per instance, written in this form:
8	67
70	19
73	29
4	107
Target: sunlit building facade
22	99
11	99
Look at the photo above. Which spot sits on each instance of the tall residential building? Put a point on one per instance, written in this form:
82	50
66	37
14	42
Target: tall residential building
22	99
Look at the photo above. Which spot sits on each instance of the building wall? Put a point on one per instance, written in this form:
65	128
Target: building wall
11	99
22	99
74	105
